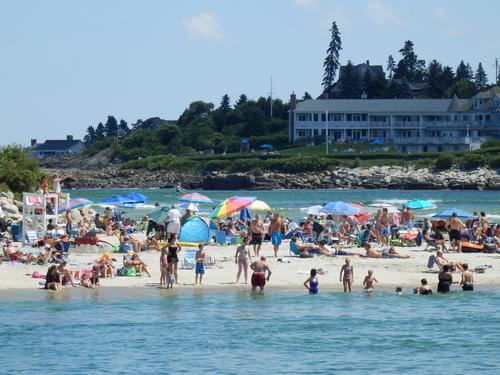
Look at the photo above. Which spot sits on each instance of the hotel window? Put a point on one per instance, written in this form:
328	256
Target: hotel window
334	117
349	132
302	133
356	117
304	117
315	117
495	102
323	117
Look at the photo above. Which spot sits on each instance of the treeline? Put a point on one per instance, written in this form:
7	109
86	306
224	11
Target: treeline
201	126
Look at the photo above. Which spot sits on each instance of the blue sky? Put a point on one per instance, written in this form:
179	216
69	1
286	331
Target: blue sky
66	65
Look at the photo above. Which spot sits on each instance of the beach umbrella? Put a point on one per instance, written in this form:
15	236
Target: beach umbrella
159	215
266	145
136	197
258	205
339	208
117	200
450	211
76	202
194	198
193	207
363	215
231	205
377	142
314	210
373	208
245	214
417	204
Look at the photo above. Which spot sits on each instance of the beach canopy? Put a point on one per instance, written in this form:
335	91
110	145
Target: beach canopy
258	205
373	208
159	215
195	229
231	205
136	197
417	204
194	198
339	208
450	211
117	200
76	202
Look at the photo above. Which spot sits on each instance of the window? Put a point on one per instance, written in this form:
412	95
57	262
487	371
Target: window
334	117
495	102
304	117
302	133
323	117
349	132
363	132
348	117
356	117
315	117
478	103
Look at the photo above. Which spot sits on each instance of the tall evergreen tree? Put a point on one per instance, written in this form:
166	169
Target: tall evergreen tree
447	79
90	137
225	104
111	127
332	63
374	87
391	66
241	100
350	82
480	78
463	71
123	129
434	73
100	132
409	67
306	96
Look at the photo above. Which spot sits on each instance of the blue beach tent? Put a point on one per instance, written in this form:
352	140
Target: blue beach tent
195	229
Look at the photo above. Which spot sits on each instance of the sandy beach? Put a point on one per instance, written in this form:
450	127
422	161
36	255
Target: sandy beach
292	273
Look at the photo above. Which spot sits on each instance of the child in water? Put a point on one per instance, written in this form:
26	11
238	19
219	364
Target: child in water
312	283
163	267
369	281
170	275
85	281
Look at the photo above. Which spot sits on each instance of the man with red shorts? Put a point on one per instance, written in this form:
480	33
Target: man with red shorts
259	269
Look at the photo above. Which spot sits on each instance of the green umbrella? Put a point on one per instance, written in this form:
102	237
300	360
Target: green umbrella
159	215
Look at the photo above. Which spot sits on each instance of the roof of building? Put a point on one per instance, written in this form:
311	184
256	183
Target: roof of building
57	145
378	105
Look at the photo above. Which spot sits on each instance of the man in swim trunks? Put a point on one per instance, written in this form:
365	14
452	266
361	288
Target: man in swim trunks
455	225
259	269
467	282
385	223
275	233
257	234
200	264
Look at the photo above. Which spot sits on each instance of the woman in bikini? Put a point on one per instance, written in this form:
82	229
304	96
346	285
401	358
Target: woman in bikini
242	258
173	257
347	275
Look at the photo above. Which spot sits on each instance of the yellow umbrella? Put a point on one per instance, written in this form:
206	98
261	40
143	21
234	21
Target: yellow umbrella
259	206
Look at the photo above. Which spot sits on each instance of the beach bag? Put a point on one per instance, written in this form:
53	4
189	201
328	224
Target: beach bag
121	271
131	271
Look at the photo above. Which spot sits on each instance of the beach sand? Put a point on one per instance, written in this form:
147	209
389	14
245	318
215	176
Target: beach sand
390	273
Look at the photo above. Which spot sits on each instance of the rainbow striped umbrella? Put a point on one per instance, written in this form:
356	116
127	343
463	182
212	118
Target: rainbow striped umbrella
231	205
194	198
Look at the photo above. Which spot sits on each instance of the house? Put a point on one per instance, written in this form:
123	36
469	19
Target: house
62	147
411	125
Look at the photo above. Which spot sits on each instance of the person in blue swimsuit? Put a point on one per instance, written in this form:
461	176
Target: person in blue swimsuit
312	283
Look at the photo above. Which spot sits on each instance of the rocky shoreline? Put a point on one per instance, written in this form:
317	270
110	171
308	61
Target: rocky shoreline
384	177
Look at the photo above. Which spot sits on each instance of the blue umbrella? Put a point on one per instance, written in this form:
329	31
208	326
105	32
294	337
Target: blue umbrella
377	142
136	197
118	200
339	208
266	145
417	204
245	214
450	211
159	215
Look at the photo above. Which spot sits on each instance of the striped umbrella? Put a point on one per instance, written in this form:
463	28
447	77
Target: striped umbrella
231	205
76	202
194	198
363	215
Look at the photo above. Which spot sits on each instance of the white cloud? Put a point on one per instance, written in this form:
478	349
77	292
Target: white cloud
452	31
304	3
441	13
204	25
382	15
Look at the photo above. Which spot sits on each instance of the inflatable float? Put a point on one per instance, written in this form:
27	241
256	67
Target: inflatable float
470	247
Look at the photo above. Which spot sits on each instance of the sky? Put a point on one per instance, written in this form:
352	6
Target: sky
66	65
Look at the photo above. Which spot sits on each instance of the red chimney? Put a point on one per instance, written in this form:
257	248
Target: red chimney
293	101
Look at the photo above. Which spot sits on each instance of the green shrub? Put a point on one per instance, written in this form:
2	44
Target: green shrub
444	162
490	143
472	161
495	162
19	171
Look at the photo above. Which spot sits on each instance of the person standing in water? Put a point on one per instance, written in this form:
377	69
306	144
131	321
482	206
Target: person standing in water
163	267
467	282
347	275
369	281
242	258
259	269
312	283
200	264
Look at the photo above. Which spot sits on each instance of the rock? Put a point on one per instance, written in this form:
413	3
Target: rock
10	209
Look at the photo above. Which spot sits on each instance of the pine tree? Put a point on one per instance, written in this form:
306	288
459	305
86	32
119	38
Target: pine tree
434	73
306	96
462	72
90	137
100	132
391	66
447	79
241	100
409	67
480	78
123	129
111	127
350	82
225	104
332	63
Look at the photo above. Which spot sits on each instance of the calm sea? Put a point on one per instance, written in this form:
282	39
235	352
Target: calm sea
294	203
152	331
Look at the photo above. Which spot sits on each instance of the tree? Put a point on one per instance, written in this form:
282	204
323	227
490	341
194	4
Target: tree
463	89
100	132
254	122
170	135
374	87
409	67
350	82
480	78
464	71
111	127
241	100
19	171
123	129
90	137
398	90
137	124
225	104
391	66
306	96
332	63
195	110
434	73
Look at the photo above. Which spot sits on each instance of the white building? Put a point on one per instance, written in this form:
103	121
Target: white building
412	125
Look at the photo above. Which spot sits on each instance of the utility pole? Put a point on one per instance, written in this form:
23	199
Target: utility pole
496	72
271	99
326	133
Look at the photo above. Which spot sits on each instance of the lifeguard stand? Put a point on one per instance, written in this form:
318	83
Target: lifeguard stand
38	209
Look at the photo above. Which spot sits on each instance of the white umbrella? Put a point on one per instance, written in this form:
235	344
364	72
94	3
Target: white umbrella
258	205
314	210
374	207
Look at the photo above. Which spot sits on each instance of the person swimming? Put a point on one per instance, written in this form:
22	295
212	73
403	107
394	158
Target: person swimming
369	281
423	289
312	283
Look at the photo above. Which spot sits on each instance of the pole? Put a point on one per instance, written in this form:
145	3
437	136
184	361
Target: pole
271	99
326	133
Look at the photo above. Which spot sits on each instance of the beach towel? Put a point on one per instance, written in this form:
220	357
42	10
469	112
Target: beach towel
431	261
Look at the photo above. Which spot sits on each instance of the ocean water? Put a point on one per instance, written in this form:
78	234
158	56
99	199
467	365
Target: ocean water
294	203
153	331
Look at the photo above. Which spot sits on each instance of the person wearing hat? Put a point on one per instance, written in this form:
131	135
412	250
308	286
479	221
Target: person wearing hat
105	264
